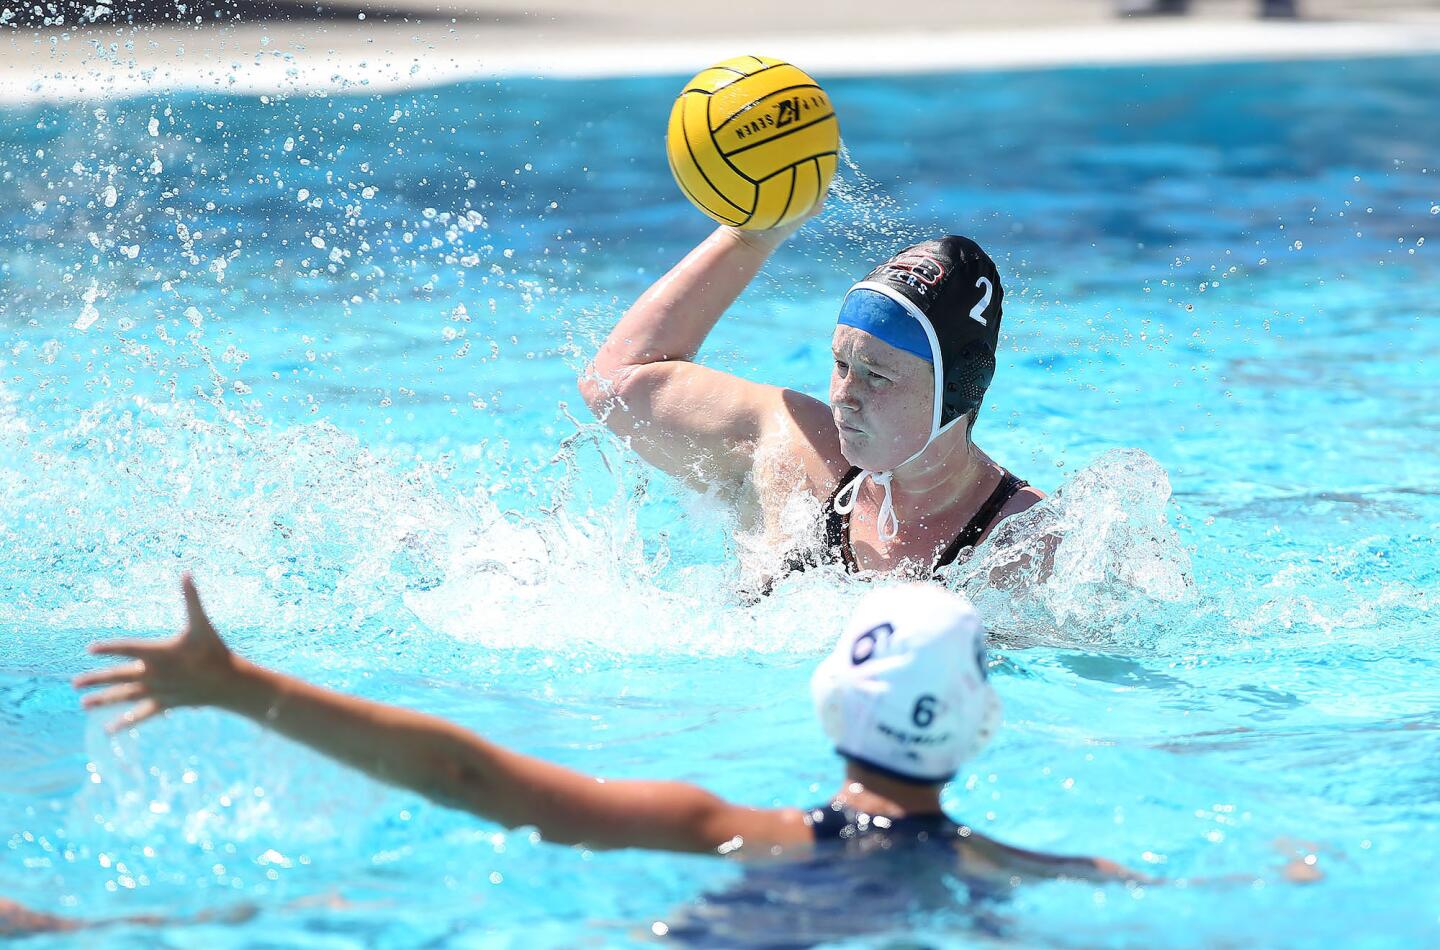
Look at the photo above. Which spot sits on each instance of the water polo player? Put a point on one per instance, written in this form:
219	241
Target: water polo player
903	485
904	696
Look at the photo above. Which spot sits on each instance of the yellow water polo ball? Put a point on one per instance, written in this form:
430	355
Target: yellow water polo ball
753	142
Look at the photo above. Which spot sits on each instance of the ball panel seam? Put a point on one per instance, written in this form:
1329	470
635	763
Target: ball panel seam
768	94
725	158
798	128
700	168
794	174
695	200
729	82
807	143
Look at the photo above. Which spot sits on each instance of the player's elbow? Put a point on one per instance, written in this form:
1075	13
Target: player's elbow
452	773
604	388
452	782
594	389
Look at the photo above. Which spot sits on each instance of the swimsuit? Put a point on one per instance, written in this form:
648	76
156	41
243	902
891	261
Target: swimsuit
869	877
836	531
842	823
837	526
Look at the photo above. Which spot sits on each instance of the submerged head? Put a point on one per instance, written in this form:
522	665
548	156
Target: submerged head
905	691
914	351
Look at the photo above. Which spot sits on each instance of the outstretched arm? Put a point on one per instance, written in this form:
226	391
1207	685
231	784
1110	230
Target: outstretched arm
436	758
989	858
696	423
1011	863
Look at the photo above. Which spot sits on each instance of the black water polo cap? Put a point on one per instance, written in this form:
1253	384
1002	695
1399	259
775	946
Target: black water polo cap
953	288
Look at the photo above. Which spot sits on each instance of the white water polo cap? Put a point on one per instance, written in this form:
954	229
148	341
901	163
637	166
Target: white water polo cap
906	691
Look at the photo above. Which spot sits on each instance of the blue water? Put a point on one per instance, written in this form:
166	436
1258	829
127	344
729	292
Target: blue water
322	350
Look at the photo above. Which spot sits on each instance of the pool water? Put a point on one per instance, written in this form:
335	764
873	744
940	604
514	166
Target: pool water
322	351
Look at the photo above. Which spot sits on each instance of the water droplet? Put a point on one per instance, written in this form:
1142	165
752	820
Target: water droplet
89	313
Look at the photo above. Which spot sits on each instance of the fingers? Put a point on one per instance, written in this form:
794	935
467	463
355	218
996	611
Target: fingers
115	694
194	610
133	717
138	649
126	673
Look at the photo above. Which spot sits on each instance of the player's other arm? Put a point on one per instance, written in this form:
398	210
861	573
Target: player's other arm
436	758
988	858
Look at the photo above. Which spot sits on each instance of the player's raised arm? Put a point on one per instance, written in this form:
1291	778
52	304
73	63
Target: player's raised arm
695	423
436	758
753	143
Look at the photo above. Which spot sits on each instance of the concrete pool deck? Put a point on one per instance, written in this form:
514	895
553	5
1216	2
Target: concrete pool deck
356	47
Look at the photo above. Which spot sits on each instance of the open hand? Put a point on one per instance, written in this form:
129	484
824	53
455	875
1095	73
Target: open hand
189	669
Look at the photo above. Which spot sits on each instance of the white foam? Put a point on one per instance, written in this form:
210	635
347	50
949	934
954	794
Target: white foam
1098	562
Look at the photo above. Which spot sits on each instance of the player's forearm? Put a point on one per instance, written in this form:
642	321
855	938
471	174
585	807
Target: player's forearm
436	758
399	746
1005	862
671	320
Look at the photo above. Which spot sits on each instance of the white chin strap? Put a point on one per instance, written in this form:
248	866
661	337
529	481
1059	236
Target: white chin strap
888	524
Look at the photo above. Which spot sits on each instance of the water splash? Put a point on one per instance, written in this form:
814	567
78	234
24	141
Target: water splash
304	529
863	212
1096	563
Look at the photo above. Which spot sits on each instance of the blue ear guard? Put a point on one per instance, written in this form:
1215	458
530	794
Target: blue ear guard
886	320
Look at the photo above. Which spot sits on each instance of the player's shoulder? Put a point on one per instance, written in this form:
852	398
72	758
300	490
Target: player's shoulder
1027	497
802	428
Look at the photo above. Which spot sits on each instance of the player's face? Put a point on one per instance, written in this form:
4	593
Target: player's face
881	398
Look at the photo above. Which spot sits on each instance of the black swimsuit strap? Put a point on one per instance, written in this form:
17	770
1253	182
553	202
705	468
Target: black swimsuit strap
837	526
970	536
845	823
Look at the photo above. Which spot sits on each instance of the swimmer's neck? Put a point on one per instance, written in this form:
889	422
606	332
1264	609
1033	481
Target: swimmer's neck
871	792
946	472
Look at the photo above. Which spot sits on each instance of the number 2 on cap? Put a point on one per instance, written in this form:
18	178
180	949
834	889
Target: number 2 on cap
977	312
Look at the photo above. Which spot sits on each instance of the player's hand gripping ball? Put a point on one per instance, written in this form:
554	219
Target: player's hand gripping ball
753	142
